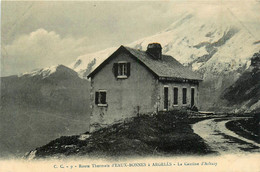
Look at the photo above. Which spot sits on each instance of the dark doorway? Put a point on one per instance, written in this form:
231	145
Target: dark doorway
184	96
175	96
166	98
192	96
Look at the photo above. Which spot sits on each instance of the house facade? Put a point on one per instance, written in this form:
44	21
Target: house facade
131	82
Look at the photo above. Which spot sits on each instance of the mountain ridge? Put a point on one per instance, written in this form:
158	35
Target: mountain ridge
49	71
40	106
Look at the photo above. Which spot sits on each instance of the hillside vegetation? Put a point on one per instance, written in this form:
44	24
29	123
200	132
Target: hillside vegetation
165	134
248	128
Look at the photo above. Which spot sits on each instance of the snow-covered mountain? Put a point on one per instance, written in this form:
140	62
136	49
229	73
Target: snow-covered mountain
88	62
57	88
212	43
218	45
40	106
52	71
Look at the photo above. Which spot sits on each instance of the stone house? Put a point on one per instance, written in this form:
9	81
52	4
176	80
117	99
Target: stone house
131	81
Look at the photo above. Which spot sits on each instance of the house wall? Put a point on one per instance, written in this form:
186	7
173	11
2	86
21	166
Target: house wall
125	97
171	86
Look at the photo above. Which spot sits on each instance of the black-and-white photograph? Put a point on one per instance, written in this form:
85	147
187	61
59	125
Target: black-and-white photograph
127	81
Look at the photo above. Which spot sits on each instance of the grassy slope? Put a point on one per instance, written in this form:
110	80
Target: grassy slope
164	134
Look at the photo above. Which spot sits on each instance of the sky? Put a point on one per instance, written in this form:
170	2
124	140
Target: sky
38	34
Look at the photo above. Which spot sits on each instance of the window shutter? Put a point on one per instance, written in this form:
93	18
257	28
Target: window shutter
115	69
96	97
128	69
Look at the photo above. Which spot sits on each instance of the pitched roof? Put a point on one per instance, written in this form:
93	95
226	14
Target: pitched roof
167	66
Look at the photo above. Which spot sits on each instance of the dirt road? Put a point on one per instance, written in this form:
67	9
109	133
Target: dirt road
222	140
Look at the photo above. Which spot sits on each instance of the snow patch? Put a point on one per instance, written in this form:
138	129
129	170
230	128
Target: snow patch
86	59
83	137
42	72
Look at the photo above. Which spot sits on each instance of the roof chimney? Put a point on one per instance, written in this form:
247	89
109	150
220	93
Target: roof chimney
155	50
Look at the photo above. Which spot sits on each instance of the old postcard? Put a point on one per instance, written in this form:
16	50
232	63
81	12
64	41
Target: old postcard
130	85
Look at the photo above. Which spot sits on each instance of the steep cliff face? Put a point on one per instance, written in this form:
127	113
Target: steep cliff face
244	94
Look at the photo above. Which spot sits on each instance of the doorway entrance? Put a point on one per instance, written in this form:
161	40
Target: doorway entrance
192	97
166	92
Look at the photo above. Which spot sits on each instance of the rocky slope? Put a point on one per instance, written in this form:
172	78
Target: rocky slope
244	94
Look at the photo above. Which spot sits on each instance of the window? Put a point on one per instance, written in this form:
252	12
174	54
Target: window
166	101
184	96
121	69
175	96
101	98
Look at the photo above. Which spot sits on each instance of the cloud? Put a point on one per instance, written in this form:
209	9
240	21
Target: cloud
39	49
75	28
